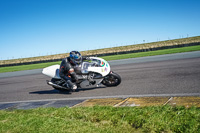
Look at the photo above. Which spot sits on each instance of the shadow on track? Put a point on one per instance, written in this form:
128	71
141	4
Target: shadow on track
62	92
87	89
50	92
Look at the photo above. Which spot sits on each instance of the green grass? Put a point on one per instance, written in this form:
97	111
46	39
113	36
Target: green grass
27	67
101	119
113	57
153	53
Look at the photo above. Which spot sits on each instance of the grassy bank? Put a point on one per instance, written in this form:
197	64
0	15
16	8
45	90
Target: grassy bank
174	42
152	53
27	67
102	119
113	57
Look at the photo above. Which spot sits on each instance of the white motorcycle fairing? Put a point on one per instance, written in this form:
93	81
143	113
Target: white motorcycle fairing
102	67
52	71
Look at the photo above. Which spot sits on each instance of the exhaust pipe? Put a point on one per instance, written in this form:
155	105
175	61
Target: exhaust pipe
55	85
99	77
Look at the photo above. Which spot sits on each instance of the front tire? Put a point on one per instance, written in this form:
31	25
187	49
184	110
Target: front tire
111	80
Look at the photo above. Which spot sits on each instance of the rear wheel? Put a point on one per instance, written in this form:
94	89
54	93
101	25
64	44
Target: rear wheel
113	79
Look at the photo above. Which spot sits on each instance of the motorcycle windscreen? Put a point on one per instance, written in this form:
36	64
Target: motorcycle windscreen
101	69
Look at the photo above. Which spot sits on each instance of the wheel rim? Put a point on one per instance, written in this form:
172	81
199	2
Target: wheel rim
112	80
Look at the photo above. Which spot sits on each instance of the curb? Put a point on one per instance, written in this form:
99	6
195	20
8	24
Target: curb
143	102
100	102
114	102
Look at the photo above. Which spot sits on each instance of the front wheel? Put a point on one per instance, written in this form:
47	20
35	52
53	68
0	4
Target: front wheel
112	79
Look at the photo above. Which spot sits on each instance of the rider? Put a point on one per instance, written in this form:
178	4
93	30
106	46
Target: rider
67	72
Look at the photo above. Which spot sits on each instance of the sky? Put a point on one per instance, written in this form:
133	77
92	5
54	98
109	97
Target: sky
30	28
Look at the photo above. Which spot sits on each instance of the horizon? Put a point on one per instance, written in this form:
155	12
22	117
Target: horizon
103	48
47	27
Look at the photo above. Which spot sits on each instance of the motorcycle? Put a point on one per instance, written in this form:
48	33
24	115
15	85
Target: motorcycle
96	70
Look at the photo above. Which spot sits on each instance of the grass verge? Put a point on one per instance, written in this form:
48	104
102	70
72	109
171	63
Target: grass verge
113	57
174	42
102	119
27	67
153	53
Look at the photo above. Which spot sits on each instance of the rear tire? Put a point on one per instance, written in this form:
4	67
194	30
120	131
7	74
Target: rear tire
111	80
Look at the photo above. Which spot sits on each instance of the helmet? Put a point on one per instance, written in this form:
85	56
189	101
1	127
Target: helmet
75	57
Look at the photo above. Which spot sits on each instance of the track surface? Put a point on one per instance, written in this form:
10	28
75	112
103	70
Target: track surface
150	76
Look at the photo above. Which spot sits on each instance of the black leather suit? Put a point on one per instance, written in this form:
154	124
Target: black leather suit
67	69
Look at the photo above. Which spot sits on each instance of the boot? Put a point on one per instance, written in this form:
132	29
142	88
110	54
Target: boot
71	85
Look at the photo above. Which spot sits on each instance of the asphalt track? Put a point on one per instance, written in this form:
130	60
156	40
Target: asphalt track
164	75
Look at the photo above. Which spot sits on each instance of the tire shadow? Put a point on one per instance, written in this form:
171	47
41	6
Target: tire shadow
50	92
